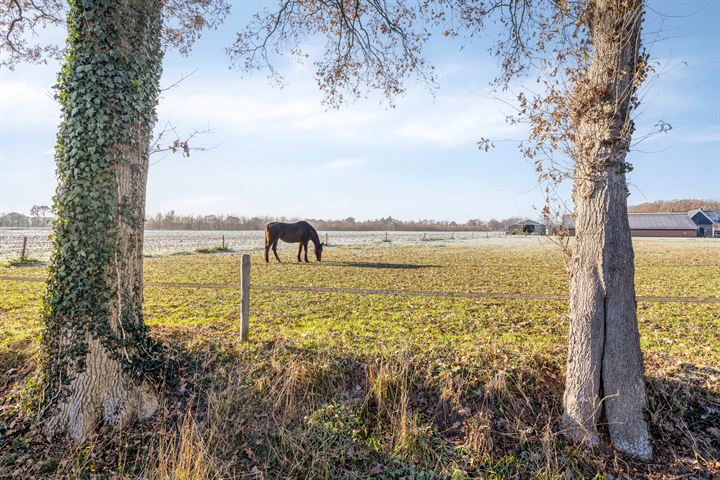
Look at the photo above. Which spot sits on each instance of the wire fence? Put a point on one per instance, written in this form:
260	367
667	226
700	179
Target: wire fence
33	245
394	292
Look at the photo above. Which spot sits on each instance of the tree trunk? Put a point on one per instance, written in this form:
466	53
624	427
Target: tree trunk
96	351
604	369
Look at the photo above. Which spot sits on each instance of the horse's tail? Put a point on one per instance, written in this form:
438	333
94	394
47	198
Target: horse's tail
267	235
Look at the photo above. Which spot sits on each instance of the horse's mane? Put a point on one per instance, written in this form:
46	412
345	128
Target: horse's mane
314	235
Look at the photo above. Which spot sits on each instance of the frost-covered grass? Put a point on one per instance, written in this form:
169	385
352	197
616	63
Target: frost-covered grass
378	386
165	242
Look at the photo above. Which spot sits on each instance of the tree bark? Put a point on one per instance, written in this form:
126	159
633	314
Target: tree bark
604	368
96	351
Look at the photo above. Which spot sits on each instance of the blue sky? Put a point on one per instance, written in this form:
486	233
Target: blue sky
278	152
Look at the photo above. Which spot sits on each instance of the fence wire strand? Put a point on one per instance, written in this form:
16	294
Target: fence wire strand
393	292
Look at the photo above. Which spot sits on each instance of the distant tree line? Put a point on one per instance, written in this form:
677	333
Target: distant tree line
171	221
40	216
679	205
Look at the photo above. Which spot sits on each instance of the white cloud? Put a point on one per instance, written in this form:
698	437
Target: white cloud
683	134
457	120
344	163
252	108
190	203
24	104
709	133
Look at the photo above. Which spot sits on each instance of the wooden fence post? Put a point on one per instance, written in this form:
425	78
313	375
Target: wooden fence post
245	298
24	248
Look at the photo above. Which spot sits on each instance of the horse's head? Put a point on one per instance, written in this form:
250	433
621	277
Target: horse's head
318	251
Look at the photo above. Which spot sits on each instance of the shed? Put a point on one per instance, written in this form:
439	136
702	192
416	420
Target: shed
527	227
652	225
707	222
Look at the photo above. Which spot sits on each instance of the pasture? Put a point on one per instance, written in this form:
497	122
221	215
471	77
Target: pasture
345	385
165	242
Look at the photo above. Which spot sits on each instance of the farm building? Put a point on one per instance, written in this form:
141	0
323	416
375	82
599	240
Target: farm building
527	227
652	225
707	222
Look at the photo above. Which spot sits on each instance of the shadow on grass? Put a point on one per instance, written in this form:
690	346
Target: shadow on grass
25	262
403	266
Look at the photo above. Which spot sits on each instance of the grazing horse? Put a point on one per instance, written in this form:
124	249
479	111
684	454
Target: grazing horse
299	232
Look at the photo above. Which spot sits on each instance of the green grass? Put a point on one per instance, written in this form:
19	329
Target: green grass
379	386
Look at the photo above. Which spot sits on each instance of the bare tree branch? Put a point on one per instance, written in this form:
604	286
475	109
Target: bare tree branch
179	81
179	144
21	23
369	43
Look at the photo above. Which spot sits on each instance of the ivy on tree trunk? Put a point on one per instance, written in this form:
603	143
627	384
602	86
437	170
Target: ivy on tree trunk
96	350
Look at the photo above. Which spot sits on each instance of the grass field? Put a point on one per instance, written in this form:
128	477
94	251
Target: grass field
380	386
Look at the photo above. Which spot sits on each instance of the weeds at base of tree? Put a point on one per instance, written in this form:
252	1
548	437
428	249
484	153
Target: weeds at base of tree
280	410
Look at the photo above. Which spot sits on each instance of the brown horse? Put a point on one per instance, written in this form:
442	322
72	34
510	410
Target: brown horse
301	232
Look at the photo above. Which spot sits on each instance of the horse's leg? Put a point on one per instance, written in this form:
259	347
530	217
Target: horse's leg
306	244
269	240
300	251
274	248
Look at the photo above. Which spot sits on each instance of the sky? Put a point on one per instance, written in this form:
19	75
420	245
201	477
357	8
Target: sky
277	151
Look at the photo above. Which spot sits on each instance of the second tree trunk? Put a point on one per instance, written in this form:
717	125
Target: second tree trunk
604	368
